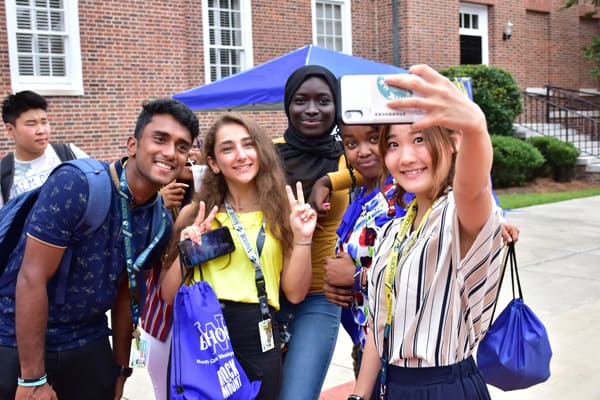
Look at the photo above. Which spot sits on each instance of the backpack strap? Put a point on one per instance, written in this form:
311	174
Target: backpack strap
96	212
7	166
63	151
12	219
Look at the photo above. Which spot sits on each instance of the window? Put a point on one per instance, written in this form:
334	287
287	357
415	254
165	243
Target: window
43	46
332	22
227	37
473	29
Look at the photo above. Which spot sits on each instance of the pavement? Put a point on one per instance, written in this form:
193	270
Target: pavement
559	262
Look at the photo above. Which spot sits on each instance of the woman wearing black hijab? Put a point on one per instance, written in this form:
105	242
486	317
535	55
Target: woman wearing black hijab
309	150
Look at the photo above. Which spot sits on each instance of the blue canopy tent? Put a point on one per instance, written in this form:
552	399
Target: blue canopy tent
261	87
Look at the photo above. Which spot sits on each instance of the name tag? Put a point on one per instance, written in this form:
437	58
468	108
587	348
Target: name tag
265	329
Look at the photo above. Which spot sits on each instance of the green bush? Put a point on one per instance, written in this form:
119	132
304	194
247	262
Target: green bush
541	143
561	157
516	162
496	92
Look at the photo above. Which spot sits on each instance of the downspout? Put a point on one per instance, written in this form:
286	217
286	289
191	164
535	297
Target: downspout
396	34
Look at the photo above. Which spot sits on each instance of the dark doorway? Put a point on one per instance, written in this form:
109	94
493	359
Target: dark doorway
470	49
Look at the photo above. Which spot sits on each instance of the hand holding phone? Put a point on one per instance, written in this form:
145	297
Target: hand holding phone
364	98
215	243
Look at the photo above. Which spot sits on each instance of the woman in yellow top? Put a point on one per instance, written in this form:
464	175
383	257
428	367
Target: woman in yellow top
245	190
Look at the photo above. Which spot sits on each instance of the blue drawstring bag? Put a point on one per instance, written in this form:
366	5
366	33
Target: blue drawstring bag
515	353
203	365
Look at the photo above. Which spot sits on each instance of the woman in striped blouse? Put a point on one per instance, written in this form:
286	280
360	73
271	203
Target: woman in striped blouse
434	275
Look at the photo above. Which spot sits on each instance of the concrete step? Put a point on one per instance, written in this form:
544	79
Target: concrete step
593	168
529	130
583	142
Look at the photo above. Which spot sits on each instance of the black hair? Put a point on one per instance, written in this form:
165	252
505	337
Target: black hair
182	114
16	104
354	188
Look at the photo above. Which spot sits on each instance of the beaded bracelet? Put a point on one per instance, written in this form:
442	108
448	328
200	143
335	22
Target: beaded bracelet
32	382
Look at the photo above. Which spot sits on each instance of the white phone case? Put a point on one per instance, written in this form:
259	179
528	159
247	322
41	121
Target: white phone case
363	100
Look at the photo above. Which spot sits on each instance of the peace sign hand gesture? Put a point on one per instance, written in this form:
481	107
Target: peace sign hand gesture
303	218
200	225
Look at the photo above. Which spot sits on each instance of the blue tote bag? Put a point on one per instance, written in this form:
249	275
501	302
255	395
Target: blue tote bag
203	365
515	353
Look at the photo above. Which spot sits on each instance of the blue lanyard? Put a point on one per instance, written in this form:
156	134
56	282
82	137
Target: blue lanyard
253	257
133	267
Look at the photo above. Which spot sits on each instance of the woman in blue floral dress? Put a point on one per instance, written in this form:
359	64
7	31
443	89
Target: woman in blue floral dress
371	206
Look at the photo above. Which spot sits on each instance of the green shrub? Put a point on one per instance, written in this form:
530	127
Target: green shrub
561	157
541	143
515	162
496	92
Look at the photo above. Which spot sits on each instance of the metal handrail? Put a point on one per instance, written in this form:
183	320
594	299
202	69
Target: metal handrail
573	91
572	98
552	116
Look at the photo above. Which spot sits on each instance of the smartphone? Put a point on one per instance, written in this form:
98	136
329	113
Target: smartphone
215	243
363	100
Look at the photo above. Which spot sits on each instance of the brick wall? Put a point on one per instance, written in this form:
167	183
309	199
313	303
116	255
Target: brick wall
510	54
587	30
279	27
132	51
429	33
137	50
537	55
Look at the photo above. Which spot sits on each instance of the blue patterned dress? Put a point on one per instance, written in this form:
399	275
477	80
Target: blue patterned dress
360	225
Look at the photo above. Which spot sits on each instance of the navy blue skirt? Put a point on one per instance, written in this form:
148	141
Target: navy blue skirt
460	381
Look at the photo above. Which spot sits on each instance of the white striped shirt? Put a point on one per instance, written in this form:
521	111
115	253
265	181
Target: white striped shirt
440	311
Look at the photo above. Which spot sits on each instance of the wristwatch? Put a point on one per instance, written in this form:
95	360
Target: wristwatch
125	371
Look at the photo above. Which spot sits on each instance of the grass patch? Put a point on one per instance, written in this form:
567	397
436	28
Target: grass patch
520	200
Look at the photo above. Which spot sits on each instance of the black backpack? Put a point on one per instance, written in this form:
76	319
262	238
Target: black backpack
7	166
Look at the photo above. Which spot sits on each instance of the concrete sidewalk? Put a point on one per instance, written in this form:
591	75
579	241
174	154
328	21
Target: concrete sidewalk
559	263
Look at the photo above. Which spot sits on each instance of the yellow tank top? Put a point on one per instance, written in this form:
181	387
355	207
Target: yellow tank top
232	276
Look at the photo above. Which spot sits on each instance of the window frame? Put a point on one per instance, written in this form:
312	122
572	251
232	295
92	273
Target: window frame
483	31
247	52
72	83
346	14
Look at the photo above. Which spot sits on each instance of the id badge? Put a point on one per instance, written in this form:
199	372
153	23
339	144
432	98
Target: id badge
140	349
266	335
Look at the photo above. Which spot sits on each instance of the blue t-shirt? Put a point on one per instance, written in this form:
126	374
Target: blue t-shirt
98	260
